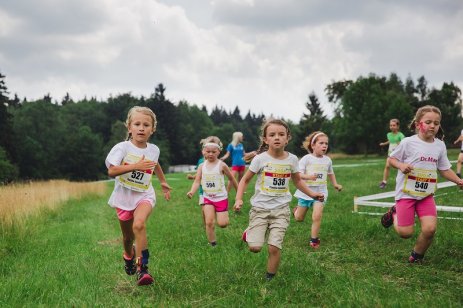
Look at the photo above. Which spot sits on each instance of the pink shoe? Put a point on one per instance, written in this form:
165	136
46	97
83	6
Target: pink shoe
315	244
143	277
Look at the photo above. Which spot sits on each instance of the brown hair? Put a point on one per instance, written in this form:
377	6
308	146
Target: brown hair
396	121
311	139
263	146
420	113
145	111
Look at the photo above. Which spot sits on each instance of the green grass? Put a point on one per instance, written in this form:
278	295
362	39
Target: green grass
72	257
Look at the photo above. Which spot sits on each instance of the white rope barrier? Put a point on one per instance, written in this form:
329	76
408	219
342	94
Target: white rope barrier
368	201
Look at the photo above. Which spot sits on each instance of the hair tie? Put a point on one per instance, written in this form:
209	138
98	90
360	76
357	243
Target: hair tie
314	138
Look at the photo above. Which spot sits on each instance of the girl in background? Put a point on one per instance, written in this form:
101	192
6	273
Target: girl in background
239	156
418	159
132	163
270	214
210	176
393	139
315	169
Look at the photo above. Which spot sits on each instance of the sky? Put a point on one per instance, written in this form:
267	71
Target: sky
264	56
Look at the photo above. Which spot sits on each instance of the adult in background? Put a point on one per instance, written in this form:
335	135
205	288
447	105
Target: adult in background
238	156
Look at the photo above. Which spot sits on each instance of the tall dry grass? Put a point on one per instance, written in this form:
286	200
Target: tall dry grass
20	200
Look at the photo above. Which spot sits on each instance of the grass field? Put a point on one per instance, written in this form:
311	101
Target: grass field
71	256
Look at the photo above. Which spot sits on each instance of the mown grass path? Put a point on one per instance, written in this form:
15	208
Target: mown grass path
72	257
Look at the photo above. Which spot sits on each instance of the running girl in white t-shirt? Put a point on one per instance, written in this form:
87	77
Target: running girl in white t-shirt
132	163
210	175
270	214
316	168
418	159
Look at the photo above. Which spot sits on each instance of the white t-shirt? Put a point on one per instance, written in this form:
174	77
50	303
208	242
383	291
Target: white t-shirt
272	183
462	141
426	158
212	181
321	166
122	197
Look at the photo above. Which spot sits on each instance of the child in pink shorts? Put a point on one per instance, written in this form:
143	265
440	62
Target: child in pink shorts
210	176
418	159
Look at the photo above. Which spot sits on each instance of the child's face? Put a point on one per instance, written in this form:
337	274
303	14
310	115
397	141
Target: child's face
428	125
276	137
141	127
393	126
320	146
211	153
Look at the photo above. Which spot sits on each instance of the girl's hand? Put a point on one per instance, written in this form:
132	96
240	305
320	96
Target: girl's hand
460	183
189	194
338	187
144	164
238	205
406	168
312	177
166	190
318	196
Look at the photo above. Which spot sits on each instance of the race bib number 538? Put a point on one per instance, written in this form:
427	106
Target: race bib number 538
275	179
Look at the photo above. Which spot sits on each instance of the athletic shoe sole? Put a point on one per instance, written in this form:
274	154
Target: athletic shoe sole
145	280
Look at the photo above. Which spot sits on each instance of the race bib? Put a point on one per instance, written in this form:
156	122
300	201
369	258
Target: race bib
212	184
420	182
136	180
321	171
275	179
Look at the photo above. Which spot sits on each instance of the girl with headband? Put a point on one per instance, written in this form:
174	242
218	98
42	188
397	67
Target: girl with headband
316	168
210	175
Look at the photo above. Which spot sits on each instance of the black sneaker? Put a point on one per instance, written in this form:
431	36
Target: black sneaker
143	277
130	266
387	219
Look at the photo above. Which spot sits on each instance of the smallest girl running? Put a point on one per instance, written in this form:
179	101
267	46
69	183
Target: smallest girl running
315	168
210	176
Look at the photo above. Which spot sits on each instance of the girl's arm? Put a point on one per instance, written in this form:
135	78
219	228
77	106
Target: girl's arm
460	138
196	183
308	177
405	168
141	165
451	176
229	175
225	156
384	143
162	179
336	186
299	183
250	155
243	184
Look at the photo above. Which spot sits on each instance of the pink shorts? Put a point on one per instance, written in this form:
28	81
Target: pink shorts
220	206
406	208
124	215
238	168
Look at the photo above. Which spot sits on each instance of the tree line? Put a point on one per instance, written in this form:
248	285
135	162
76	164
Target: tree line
45	138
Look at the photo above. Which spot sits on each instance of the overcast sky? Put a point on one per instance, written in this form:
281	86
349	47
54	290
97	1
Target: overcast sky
260	55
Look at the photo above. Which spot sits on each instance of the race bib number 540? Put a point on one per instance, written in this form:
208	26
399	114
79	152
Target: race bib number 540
420	182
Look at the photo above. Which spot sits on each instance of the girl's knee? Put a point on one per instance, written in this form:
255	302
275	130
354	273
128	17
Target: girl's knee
138	226
255	249
405	233
223	224
428	231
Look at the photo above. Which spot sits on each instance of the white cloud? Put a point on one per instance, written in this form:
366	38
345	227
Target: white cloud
266	56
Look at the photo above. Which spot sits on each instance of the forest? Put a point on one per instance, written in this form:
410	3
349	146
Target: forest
67	139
